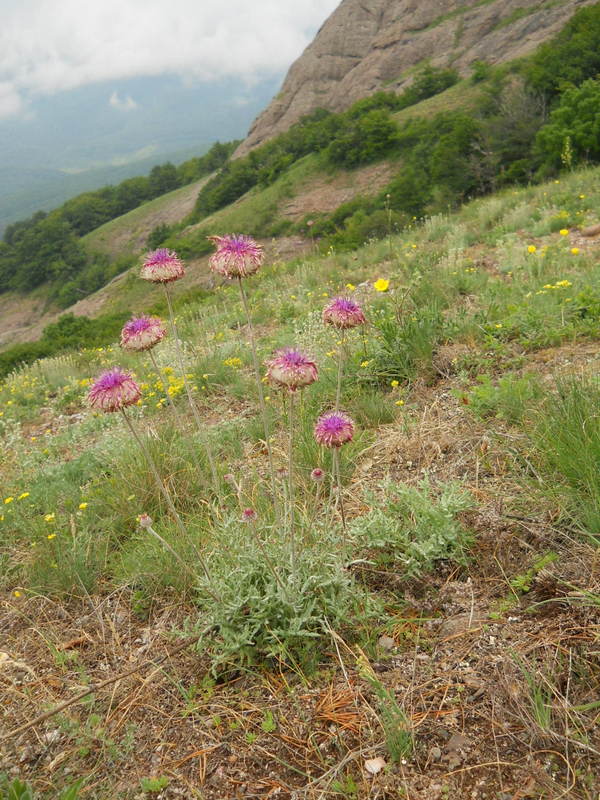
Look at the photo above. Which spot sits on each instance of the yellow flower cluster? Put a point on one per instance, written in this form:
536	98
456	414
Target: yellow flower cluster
558	285
233	362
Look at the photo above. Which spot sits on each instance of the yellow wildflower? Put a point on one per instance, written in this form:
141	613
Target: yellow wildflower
498	325
532	248
575	250
83	506
365	363
8	500
564	283
233	362
17	593
399	402
381	285
351	287
49	517
395	383
51	536
23	495
564	232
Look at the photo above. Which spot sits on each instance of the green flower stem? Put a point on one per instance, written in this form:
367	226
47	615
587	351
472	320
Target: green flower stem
163	490
170	401
340	497
338	392
261	396
313	514
269	562
291	477
207	447
173	552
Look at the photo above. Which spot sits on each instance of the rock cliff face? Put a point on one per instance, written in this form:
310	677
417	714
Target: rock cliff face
368	45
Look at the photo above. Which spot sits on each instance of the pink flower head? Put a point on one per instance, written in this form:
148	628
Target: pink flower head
334	429
292	369
343	313
249	515
113	390
162	266
145	521
237	256
317	475
142	333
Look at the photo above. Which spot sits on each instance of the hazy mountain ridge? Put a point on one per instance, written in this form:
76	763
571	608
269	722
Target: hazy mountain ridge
76	141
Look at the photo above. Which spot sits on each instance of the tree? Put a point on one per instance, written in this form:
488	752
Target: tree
162	179
577	120
571	57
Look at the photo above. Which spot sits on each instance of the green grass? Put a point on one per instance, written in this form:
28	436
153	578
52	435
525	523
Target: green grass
128	227
463	96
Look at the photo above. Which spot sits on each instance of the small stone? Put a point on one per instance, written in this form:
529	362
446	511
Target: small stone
386	642
435	753
374	765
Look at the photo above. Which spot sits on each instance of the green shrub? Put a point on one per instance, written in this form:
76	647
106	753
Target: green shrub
264	619
415	526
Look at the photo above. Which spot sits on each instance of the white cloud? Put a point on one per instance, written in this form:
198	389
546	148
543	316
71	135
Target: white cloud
122	104
48	46
10	100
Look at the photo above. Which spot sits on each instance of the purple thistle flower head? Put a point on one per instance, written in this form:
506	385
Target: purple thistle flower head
343	313
292	369
145	521
162	266
113	390
334	429
237	256
317	475
249	515
142	333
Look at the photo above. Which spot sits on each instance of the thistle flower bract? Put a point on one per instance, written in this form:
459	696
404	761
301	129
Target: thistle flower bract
317	475
249	515
237	256
113	390
142	333
162	266
292	369
334	429
343	313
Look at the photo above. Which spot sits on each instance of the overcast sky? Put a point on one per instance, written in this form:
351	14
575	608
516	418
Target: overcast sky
48	46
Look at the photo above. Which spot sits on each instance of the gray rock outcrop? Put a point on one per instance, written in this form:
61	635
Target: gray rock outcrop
368	45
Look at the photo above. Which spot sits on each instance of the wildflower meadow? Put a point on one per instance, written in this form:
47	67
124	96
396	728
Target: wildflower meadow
331	527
